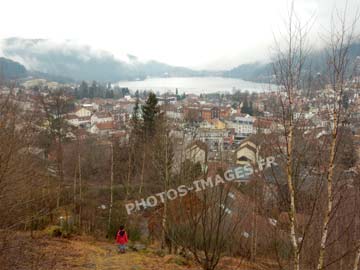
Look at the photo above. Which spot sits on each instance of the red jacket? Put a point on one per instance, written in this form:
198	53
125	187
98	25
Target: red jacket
121	239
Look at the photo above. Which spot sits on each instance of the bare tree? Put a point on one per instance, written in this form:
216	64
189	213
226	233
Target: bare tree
111	185
288	65
342	36
25	189
162	162
208	224
56	106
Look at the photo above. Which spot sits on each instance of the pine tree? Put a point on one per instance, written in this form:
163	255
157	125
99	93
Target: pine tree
135	120
93	90
77	93
149	112
84	90
109	93
247	106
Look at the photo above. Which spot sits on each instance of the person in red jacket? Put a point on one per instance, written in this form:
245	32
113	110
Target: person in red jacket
121	239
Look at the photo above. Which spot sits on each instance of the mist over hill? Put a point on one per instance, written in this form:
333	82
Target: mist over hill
78	62
69	62
315	64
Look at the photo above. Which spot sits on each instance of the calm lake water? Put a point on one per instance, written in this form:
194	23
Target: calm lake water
194	85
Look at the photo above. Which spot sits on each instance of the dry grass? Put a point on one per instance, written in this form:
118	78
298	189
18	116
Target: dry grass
85	253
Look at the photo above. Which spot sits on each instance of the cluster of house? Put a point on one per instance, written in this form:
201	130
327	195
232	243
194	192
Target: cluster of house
103	117
220	126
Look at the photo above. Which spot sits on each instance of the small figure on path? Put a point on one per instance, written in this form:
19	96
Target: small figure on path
121	239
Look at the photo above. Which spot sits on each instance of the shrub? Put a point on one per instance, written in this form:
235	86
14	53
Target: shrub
53	231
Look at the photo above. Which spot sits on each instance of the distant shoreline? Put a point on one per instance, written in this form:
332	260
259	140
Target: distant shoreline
195	85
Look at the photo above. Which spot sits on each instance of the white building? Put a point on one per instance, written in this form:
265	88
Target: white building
197	152
83	112
90	106
175	115
101	118
102	128
167	100
76	121
243	125
73	120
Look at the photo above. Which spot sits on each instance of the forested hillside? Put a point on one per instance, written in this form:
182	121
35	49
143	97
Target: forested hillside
11	70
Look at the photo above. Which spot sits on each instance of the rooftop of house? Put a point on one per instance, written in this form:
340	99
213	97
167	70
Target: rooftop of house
82	108
263	123
71	116
105	126
102	114
84	118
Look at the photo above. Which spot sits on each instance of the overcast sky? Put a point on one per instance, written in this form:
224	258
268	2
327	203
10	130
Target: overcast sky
194	33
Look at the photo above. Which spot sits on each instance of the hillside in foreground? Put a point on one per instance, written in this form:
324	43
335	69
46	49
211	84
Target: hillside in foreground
84	253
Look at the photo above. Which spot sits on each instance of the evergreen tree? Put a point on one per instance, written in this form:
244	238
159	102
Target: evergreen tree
77	93
93	90
135	120
250	110
149	112
109	93
84	90
178	97
247	106
125	92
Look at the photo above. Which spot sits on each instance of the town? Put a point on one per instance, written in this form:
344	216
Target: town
96	143
189	135
221	124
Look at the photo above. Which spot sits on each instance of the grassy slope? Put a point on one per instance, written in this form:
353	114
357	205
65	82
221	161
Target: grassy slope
85	253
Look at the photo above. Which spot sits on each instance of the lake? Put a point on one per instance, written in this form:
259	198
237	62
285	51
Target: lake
194	85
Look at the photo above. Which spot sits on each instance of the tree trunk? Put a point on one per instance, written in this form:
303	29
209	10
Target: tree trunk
80	189
111	186
291	189
164	217
142	171
74	189
60	170
357	257
329	201
129	171
254	226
